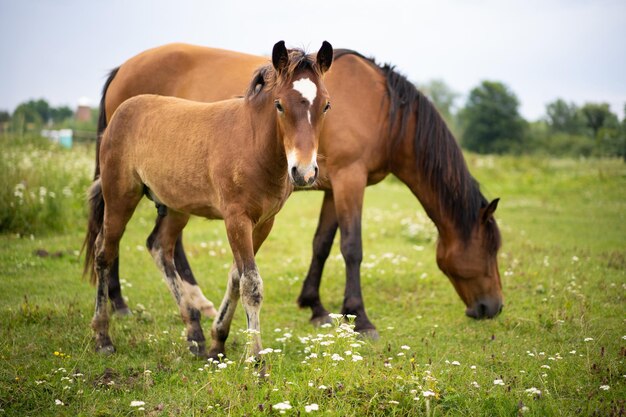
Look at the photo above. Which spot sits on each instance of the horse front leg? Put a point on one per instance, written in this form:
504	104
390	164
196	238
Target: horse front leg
221	325
244	242
348	190
322	244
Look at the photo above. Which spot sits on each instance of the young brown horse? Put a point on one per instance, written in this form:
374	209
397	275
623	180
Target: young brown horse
235	160
381	124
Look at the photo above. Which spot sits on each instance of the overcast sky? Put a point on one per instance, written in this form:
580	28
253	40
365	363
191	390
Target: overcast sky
62	50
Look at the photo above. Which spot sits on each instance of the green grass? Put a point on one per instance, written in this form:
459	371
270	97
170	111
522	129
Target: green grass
563	266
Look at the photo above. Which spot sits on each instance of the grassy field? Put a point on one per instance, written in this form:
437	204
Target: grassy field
558	348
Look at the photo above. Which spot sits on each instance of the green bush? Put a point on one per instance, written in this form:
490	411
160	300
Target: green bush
43	185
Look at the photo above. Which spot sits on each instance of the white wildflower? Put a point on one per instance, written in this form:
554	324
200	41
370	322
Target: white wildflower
311	407
137	403
282	407
498	382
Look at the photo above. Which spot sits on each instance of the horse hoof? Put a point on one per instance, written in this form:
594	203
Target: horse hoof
368	334
198	349
105	350
215	355
321	320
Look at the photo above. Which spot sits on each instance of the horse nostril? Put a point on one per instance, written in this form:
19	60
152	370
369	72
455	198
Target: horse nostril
317	170
481	311
294	172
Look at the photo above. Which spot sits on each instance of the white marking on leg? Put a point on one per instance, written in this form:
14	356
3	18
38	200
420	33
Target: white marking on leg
251	288
198	300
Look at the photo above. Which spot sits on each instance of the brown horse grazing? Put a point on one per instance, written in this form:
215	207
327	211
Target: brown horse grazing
235	160
381	124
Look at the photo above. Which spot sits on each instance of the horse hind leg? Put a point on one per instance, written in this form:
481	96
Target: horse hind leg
183	268
161	245
189	282
116	216
100	321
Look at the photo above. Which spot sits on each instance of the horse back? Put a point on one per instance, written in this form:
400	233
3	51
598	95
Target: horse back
182	70
190	154
356	132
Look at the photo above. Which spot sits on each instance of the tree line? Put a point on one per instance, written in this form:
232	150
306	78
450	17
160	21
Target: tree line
490	122
33	115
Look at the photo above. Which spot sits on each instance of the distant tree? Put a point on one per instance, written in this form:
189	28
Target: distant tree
598	116
60	114
624	135
25	117
35	112
564	118
442	96
491	120
5	118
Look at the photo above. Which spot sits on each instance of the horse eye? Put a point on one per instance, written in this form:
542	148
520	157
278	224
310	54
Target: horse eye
279	106
327	107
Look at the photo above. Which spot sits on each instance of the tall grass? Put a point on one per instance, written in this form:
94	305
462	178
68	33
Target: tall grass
43	185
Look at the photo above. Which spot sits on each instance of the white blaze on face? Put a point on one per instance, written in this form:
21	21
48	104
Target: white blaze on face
308	89
292	158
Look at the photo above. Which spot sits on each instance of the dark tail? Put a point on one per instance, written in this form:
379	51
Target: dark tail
102	119
94	226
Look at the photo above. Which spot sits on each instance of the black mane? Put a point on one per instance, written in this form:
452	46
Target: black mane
438	156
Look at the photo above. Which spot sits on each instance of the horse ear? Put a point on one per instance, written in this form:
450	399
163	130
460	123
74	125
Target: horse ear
280	56
325	56
490	209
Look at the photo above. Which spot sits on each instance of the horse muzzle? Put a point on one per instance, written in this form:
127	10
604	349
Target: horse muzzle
485	308
303	176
